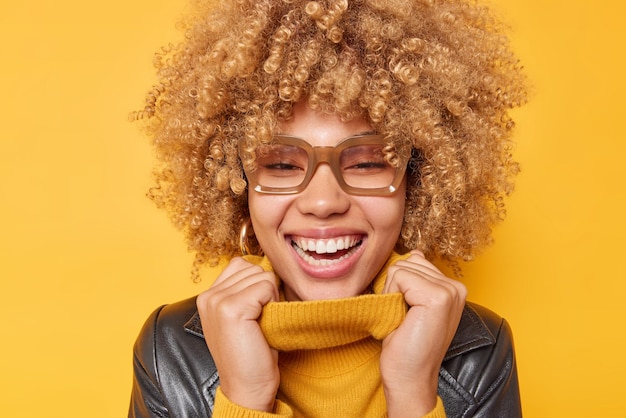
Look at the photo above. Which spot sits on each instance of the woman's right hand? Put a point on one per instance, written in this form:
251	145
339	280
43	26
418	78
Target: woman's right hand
247	366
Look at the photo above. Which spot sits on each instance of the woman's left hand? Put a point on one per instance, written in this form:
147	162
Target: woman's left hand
412	354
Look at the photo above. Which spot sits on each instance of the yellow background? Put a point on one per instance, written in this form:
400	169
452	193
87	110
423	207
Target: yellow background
85	257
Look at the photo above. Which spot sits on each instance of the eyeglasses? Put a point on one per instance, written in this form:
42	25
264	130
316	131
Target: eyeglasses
361	164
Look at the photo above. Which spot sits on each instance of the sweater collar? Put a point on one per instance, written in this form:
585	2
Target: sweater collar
471	334
278	317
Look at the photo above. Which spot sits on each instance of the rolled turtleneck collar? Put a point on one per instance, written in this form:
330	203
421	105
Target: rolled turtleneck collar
320	324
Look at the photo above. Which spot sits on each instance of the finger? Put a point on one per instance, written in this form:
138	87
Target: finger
417	270
426	273
243	288
245	303
236	265
424	288
417	257
423	268
420	288
240	285
238	274
416	261
241	278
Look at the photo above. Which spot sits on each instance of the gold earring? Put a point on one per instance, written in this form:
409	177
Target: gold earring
243	237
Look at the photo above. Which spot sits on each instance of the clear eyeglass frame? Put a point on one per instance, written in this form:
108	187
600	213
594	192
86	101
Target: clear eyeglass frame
331	156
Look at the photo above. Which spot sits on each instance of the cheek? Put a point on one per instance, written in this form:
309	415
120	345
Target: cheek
397	205
394	215
385	214
266	212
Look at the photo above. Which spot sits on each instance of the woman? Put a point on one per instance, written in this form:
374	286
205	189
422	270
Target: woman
339	145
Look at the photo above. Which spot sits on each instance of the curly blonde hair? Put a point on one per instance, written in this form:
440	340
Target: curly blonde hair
434	75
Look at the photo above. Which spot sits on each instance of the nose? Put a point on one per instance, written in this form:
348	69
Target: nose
323	196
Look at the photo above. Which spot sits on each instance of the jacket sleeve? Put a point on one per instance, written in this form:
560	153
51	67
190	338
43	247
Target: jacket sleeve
481	381
500	397
146	398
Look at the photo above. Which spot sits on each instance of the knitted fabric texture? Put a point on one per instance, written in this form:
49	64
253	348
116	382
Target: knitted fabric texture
318	324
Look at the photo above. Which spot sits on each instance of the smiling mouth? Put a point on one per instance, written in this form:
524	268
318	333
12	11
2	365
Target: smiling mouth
326	252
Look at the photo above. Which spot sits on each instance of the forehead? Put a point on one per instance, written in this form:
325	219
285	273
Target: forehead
320	129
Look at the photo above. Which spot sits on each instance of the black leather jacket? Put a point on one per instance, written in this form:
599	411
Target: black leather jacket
175	376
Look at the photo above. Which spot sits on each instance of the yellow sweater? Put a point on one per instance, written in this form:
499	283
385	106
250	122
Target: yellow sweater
328	354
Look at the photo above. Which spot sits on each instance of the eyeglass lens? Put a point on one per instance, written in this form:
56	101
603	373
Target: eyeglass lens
284	166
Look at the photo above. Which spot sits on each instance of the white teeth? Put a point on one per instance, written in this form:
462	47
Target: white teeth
321	262
329	246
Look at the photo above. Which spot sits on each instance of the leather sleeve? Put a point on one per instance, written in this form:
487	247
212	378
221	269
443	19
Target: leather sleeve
146	398
501	397
174	373
482	383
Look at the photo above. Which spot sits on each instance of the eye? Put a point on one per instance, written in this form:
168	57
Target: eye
282	161
364	158
281	166
368	165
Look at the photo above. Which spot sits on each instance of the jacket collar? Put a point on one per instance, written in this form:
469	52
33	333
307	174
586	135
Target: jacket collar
471	334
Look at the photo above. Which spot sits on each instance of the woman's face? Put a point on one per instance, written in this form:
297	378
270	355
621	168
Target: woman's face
323	216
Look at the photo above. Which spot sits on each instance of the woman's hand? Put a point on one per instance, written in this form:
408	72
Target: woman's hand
412	354
247	366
